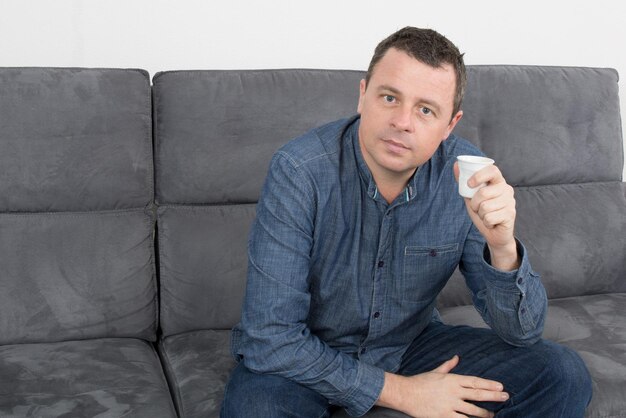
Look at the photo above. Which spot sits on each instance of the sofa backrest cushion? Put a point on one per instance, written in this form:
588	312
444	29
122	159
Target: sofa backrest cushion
75	140
76	211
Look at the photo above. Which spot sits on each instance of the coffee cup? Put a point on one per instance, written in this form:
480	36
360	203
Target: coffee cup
468	165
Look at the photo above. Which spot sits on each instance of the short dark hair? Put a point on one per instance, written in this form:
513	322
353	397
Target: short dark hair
429	47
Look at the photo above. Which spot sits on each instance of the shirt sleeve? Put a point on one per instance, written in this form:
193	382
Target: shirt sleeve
275	338
514	303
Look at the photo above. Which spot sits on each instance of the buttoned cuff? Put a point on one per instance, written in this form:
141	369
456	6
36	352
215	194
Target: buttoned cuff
366	391
510	289
508	280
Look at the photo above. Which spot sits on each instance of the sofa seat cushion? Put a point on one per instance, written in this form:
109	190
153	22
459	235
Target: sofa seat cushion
110	377
594	326
197	365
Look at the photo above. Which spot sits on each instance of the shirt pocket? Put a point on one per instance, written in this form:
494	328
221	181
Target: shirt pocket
426	270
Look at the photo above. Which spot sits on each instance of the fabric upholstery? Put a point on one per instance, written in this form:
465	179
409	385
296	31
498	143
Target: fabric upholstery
76	275
203	262
545	125
111	377
217	130
198	365
74	139
76	196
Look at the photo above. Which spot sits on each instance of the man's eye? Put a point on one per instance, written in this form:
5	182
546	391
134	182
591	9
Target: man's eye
389	99
425	110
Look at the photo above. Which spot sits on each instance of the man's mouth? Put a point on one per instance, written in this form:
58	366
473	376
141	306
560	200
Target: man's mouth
395	146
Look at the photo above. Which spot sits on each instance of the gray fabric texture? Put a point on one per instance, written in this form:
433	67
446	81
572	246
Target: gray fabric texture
202	264
76	205
74	139
545	125
216	131
197	365
94	378
76	276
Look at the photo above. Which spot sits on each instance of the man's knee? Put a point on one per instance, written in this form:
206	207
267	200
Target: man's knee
566	372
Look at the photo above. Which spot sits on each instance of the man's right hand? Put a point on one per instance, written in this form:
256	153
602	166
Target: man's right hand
439	393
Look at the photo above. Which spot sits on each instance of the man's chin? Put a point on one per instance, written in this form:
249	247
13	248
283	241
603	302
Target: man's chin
400	170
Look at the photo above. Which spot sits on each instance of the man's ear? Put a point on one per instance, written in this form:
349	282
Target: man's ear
362	87
453	123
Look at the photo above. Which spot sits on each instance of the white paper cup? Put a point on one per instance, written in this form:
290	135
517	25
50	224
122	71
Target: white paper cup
468	165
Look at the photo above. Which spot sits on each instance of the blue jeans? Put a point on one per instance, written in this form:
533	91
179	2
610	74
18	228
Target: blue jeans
543	380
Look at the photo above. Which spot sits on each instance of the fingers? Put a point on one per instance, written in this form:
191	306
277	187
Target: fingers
477	389
496	211
469	409
495	203
447	366
490	174
481	395
473	382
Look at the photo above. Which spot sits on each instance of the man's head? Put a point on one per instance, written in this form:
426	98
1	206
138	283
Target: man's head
429	47
409	102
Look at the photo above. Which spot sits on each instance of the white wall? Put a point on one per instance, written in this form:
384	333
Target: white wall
161	35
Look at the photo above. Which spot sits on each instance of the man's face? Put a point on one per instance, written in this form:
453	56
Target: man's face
405	114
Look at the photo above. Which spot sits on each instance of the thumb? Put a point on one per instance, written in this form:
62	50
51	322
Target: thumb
447	366
456	171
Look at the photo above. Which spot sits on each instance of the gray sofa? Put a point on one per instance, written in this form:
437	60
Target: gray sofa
125	207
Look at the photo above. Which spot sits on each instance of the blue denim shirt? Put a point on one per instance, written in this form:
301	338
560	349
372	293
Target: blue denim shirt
340	282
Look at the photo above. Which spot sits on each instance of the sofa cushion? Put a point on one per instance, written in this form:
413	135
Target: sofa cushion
545	125
101	377
76	275
594	326
215	131
74	139
202	264
197	365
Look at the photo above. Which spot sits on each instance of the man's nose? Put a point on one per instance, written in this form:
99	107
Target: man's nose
402	119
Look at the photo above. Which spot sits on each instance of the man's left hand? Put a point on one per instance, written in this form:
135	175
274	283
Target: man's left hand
492	210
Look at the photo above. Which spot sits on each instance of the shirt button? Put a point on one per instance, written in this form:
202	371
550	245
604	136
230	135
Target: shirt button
433	253
523	310
363	350
376	314
520	280
381	263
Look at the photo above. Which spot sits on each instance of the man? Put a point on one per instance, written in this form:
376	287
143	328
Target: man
358	229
